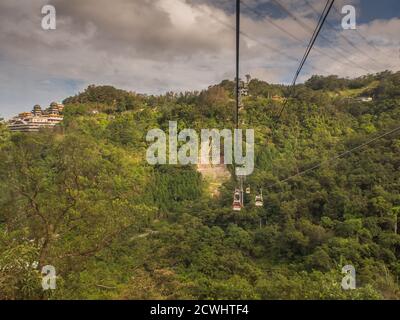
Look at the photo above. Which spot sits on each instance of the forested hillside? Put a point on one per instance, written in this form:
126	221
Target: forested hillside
83	198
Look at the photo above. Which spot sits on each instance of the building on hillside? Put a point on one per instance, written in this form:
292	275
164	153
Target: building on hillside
37	111
37	119
55	108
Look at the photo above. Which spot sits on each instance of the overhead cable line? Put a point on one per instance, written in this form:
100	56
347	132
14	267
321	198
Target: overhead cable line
263	44
340	52
314	37
240	178
349	42
289	13
336	157
369	42
237	62
270	21
360	34
316	32
275	49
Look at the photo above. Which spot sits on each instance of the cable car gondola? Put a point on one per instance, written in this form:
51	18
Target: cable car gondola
259	200
237	203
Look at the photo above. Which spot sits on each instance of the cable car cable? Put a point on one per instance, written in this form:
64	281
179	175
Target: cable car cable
336	157
268	20
377	64
317	31
342	53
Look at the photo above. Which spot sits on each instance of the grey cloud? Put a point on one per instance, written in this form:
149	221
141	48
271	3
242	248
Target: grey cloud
144	27
159	45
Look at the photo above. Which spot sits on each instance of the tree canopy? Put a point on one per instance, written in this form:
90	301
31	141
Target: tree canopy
84	199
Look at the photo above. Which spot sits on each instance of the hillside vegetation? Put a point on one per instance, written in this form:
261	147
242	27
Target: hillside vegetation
83	198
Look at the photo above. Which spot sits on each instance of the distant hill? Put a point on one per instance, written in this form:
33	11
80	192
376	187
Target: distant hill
86	201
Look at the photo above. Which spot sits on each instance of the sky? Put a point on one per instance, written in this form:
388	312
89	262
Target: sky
155	46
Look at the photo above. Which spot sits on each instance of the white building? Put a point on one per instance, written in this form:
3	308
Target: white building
37	119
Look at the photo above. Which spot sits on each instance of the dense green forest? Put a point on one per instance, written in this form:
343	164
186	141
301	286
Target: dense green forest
83	198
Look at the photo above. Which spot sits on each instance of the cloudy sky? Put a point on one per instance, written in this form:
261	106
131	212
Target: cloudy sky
153	46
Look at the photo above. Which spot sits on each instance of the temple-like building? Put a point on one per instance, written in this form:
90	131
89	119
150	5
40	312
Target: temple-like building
37	119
